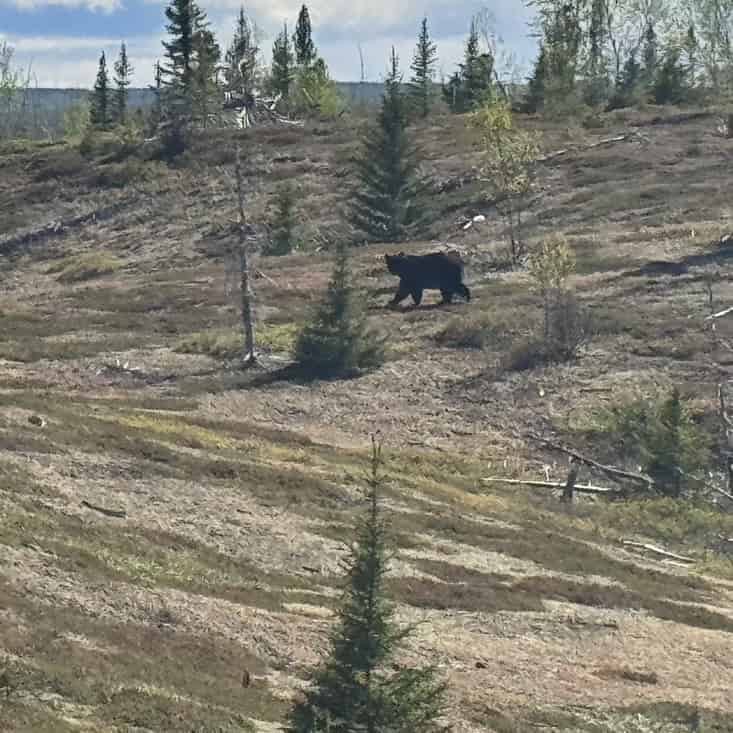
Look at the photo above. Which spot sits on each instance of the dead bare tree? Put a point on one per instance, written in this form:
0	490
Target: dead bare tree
722	380
248	357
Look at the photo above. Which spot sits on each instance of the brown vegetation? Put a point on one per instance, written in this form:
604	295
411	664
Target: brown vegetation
239	489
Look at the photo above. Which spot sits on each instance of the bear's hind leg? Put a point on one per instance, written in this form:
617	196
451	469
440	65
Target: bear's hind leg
417	296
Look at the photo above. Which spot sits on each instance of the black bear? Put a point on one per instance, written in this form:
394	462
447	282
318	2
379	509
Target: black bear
435	271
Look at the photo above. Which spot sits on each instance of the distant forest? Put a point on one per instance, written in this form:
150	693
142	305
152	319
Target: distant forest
46	106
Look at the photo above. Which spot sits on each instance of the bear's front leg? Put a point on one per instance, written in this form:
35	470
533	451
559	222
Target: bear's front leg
402	292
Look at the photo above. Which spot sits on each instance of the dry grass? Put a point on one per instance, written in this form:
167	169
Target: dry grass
239	489
84	267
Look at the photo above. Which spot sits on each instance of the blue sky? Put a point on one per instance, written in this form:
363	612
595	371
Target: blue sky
60	40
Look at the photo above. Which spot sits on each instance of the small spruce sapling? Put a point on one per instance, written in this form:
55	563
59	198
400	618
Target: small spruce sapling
337	342
357	688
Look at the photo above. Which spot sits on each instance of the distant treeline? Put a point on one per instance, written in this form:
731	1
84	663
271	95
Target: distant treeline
45	107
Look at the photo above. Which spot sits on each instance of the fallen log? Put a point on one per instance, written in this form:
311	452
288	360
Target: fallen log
719	314
657	550
611	471
107	512
582	488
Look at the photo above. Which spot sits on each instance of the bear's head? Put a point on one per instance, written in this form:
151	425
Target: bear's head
395	263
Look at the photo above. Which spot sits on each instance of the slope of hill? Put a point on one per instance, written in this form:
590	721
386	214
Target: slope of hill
228	495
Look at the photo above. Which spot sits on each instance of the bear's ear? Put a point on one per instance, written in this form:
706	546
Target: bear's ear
400	254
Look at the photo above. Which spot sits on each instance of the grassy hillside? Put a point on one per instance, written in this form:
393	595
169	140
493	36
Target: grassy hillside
233	492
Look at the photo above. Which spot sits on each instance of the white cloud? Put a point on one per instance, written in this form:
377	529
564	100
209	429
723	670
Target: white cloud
339	27
104	6
69	61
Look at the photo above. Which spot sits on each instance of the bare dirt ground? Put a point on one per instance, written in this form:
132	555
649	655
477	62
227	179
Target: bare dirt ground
238	490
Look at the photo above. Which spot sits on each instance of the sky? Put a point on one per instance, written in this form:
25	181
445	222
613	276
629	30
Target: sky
60	40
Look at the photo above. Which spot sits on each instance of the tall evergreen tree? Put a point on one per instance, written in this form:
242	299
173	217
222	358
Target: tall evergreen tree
477	69
383	203
99	113
535	99
185	18
241	57
670	84
336	342
563	36
423	68
597	81
650	56
123	72
282	64
205	93
355	689
472	84
305	50
627	83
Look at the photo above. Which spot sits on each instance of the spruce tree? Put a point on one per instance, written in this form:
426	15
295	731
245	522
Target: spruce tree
185	18
476	70
383	203
241	57
282	239
597	82
305	50
423	67
650	56
471	86
357	689
670	84
336	342
535	99
99	114
282	64
627	84
205	92
123	72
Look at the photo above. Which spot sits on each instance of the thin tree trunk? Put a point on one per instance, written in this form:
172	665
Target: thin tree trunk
249	357
567	494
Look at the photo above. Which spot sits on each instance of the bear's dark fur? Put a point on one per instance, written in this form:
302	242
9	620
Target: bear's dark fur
435	271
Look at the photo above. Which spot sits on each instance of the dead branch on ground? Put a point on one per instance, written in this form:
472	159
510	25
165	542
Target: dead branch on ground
107	512
610	471
581	488
720	314
600	143
657	550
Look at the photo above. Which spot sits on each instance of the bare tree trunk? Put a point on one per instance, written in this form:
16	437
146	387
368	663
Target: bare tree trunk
249	357
567	494
362	74
726	422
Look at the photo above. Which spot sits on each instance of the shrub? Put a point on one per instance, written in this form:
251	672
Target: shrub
566	325
508	168
84	267
662	436
527	355
337	341
465	333
229	344
76	121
